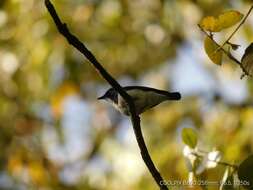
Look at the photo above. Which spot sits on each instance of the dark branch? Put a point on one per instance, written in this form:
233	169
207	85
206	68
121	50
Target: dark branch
74	41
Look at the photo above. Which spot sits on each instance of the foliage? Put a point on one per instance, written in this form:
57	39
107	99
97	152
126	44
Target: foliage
189	137
224	20
247	59
214	50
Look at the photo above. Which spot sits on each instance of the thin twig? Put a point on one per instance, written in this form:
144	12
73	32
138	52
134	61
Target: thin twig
225	164
74	41
218	162
238	27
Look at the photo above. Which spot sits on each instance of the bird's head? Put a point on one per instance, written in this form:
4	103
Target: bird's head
110	95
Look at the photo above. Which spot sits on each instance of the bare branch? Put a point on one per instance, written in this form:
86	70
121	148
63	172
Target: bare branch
74	41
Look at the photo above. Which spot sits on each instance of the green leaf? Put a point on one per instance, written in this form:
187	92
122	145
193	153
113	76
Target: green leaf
223	21
212	52
245	173
247	60
189	137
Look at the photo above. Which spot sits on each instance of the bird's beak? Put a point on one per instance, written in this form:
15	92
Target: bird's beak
101	97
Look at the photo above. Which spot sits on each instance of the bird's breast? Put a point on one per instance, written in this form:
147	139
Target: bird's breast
143	100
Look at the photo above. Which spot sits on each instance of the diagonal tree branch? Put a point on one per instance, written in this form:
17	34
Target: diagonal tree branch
74	41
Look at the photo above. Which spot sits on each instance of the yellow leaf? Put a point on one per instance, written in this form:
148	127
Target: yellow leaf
211	51
57	99
37	172
209	23
223	21
15	164
228	19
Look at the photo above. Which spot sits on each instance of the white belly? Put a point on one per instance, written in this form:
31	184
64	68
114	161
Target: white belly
143	100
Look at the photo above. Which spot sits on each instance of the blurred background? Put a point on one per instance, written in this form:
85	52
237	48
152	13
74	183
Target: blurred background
54	134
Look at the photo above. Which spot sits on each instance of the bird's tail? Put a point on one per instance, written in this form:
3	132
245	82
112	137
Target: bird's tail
174	96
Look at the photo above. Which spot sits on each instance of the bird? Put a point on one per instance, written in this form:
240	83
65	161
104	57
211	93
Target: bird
143	97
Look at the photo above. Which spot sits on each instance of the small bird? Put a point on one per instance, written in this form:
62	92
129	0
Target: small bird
144	98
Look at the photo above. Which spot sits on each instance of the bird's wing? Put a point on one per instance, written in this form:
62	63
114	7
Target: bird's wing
146	99
169	95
